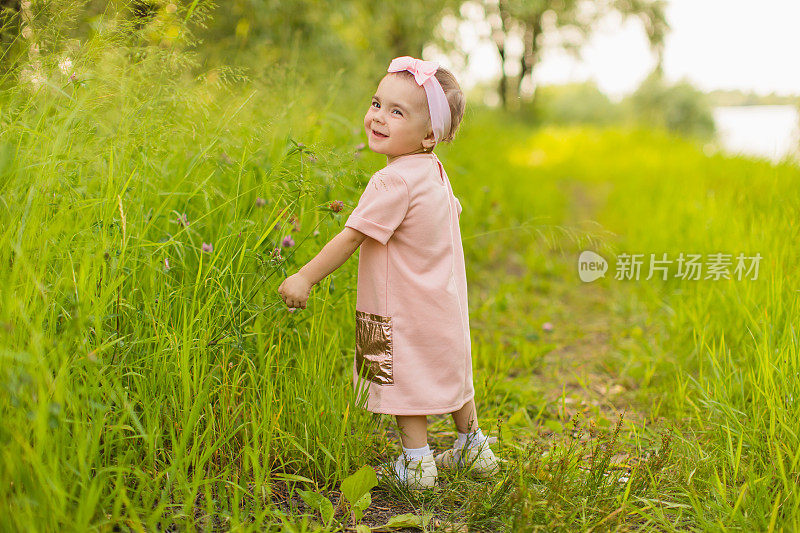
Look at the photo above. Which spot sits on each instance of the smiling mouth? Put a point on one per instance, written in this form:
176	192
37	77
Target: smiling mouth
377	134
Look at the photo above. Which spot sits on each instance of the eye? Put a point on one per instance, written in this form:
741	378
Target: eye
376	102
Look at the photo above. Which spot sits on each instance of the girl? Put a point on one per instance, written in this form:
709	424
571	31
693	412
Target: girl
412	353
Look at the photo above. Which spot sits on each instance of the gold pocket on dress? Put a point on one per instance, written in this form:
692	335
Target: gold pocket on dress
374	347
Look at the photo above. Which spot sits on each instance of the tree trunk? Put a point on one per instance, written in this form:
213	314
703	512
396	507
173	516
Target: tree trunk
499	35
503	80
530	54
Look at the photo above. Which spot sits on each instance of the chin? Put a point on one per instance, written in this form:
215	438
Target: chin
376	149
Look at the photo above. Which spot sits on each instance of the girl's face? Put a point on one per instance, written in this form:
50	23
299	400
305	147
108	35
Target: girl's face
399	111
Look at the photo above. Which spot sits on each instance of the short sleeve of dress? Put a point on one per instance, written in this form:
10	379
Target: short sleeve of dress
382	206
458	205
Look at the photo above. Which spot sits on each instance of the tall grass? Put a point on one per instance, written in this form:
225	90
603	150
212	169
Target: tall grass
141	377
145	381
724	353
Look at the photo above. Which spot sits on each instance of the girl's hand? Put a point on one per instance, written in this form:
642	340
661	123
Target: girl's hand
295	290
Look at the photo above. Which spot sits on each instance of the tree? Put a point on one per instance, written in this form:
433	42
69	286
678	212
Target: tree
410	25
679	108
572	20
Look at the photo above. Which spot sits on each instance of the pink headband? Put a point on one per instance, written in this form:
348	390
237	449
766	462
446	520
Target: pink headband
423	72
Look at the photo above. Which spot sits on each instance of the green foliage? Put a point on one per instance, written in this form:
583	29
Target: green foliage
679	108
716	355
575	103
557	483
355	488
320	503
148	384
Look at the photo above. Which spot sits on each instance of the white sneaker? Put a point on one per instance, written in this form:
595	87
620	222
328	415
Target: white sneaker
478	460
415	474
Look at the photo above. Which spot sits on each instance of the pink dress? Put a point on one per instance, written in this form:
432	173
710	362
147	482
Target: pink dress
412	353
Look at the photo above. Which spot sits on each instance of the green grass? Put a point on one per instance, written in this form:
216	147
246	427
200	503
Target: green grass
722	354
137	395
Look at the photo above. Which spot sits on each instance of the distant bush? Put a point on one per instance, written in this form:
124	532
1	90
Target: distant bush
679	108
574	103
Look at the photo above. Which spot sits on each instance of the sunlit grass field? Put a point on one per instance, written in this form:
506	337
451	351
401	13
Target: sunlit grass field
151	375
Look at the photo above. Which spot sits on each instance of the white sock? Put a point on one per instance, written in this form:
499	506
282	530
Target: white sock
409	454
475	438
417	453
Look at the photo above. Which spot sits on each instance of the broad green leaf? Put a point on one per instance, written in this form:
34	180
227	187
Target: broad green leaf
359	483
318	502
405	520
361	505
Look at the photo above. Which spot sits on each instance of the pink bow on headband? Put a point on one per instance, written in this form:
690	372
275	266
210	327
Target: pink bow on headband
422	70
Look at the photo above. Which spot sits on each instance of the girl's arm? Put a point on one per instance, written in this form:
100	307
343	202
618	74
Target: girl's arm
296	288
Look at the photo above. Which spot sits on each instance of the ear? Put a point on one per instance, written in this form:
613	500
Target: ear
429	141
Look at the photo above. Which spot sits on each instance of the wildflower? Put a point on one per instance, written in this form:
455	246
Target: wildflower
65	65
311	159
287	242
260	202
295	223
360	146
208	247
292	309
316	232
33	77
27	32
276	254
337	206
547	326
183	220
166	264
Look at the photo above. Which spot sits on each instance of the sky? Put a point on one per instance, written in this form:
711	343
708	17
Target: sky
715	44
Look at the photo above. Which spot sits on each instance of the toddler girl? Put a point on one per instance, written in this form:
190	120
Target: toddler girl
412	353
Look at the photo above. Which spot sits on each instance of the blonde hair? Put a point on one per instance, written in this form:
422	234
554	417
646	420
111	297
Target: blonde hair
456	99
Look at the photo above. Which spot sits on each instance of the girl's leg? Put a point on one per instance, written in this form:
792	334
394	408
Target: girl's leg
466	418
413	430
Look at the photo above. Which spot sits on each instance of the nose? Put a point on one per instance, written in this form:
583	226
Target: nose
377	115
